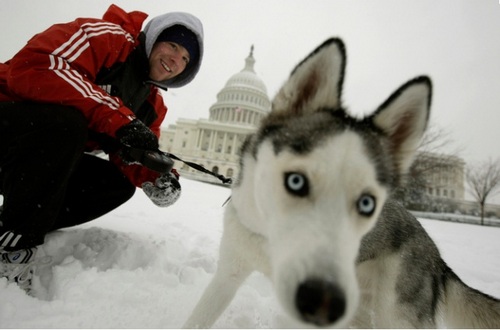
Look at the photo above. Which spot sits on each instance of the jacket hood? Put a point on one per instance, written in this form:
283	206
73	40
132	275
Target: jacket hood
156	26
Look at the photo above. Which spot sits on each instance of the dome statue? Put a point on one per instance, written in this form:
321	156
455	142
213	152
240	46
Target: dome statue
243	100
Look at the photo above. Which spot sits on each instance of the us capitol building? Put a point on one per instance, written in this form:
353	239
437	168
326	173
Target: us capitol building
215	143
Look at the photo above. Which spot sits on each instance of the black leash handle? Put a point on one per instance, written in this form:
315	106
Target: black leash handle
201	169
152	159
162	162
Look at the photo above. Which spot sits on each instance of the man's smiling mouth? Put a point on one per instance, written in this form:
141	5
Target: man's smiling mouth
165	66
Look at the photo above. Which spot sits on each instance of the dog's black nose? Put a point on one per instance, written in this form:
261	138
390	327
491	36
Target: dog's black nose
320	302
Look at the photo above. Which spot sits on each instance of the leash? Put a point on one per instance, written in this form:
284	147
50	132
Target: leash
200	168
161	162
204	170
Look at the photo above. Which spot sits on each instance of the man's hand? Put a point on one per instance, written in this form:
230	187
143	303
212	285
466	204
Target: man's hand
136	135
165	191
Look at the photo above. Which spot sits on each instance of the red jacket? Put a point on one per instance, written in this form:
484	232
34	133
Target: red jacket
60	65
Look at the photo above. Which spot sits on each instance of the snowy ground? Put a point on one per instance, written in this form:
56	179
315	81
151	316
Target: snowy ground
145	267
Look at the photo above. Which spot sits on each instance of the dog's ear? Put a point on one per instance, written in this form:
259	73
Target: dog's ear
316	82
403	117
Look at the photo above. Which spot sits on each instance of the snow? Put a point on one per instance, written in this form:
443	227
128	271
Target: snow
145	267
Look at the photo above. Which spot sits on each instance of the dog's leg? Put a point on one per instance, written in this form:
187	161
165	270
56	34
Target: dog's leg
240	254
217	296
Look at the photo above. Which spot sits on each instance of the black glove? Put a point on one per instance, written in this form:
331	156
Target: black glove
165	191
136	135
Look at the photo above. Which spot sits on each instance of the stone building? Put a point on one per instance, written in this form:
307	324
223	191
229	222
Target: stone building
444	185
444	175
215	142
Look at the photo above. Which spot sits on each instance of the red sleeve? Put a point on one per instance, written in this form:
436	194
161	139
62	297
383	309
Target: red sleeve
60	64
136	174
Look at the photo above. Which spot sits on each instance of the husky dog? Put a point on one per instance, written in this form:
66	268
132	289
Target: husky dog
311	209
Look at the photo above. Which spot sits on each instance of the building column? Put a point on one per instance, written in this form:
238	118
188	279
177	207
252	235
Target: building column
198	139
233	151
224	143
211	145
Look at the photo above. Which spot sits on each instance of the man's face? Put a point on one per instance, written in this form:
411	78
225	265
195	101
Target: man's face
167	60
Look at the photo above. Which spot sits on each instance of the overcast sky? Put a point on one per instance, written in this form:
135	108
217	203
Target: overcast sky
455	42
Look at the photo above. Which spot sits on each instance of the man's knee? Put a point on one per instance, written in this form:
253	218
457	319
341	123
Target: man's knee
70	125
128	191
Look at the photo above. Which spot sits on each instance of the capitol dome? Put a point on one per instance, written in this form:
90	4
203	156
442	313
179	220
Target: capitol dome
243	100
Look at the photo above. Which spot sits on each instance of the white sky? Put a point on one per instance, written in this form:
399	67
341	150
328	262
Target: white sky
455	42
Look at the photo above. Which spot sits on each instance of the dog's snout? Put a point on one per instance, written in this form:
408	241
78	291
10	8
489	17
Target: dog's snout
320	302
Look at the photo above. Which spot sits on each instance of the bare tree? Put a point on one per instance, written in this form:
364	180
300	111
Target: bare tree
435	140
484	181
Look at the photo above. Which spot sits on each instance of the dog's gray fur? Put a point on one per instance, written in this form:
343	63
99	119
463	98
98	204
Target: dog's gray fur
311	209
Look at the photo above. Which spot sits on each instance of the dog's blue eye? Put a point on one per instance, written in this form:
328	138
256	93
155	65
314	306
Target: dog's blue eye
366	205
297	184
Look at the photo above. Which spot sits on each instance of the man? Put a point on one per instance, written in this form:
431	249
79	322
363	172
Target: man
73	90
